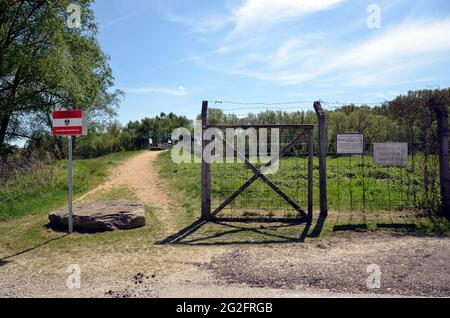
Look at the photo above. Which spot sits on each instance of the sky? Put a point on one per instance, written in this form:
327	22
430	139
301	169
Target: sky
170	55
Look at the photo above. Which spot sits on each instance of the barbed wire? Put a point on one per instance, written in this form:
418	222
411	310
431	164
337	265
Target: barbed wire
261	103
289	105
269	108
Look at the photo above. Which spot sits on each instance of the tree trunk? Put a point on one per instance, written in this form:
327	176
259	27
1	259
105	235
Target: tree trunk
4	121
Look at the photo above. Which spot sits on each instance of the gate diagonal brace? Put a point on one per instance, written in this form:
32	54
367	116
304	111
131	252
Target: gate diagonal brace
259	174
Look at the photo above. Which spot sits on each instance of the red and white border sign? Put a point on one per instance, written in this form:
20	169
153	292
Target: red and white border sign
69	123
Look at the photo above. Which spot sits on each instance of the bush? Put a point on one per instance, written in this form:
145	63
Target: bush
20	162
378	174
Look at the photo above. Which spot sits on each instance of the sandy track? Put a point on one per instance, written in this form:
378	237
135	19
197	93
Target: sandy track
138	175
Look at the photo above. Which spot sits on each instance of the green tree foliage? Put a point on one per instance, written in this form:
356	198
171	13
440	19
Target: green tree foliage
416	113
160	128
410	118
46	65
108	138
100	142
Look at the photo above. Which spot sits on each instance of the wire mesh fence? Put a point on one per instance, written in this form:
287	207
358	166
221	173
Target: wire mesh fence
358	189
356	184
259	199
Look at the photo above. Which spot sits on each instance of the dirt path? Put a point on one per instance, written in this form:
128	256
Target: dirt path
139	175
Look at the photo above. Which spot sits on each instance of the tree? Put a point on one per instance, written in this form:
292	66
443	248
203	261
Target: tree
45	65
136	134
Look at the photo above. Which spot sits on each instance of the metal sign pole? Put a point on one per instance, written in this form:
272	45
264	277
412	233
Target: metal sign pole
69	138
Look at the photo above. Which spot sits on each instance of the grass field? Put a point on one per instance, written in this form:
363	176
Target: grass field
41	190
358	192
27	200
353	184
25	214
30	232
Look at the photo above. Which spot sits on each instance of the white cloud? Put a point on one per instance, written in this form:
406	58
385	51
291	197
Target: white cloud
389	55
404	41
393	53
118	20
259	13
289	55
123	18
179	91
204	24
253	15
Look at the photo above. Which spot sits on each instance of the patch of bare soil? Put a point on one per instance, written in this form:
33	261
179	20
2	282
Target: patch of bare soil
138	175
411	266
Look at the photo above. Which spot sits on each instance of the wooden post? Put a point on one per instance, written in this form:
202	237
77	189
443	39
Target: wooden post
442	115
206	169
322	159
310	175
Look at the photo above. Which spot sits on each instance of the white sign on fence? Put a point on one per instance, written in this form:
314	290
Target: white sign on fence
391	154
350	144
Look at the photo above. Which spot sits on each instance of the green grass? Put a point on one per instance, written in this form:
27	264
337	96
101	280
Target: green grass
119	193
353	184
39	191
27	230
30	231
388	194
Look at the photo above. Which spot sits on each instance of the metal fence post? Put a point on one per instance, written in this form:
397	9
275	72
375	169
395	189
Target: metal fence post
206	168
442	115
322	159
310	175
70	212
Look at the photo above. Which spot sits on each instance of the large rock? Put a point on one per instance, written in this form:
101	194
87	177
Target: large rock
101	216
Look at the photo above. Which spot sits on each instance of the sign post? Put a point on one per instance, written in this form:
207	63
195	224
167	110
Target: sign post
70	123
69	143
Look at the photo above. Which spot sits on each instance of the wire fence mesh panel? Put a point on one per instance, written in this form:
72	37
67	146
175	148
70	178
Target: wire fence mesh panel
289	174
359	190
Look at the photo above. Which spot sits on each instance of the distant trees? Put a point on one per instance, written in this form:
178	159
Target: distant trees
112	137
159	129
410	117
46	64
416	113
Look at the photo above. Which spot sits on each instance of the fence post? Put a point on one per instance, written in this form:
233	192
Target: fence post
206	168
322	159
442	116
310	176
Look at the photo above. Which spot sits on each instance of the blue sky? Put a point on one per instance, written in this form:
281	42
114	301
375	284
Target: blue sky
170	55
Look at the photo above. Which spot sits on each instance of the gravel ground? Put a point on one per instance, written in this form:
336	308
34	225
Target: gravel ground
332	267
410	266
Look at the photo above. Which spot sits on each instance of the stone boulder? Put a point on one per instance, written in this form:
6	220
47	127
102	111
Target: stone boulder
101	216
